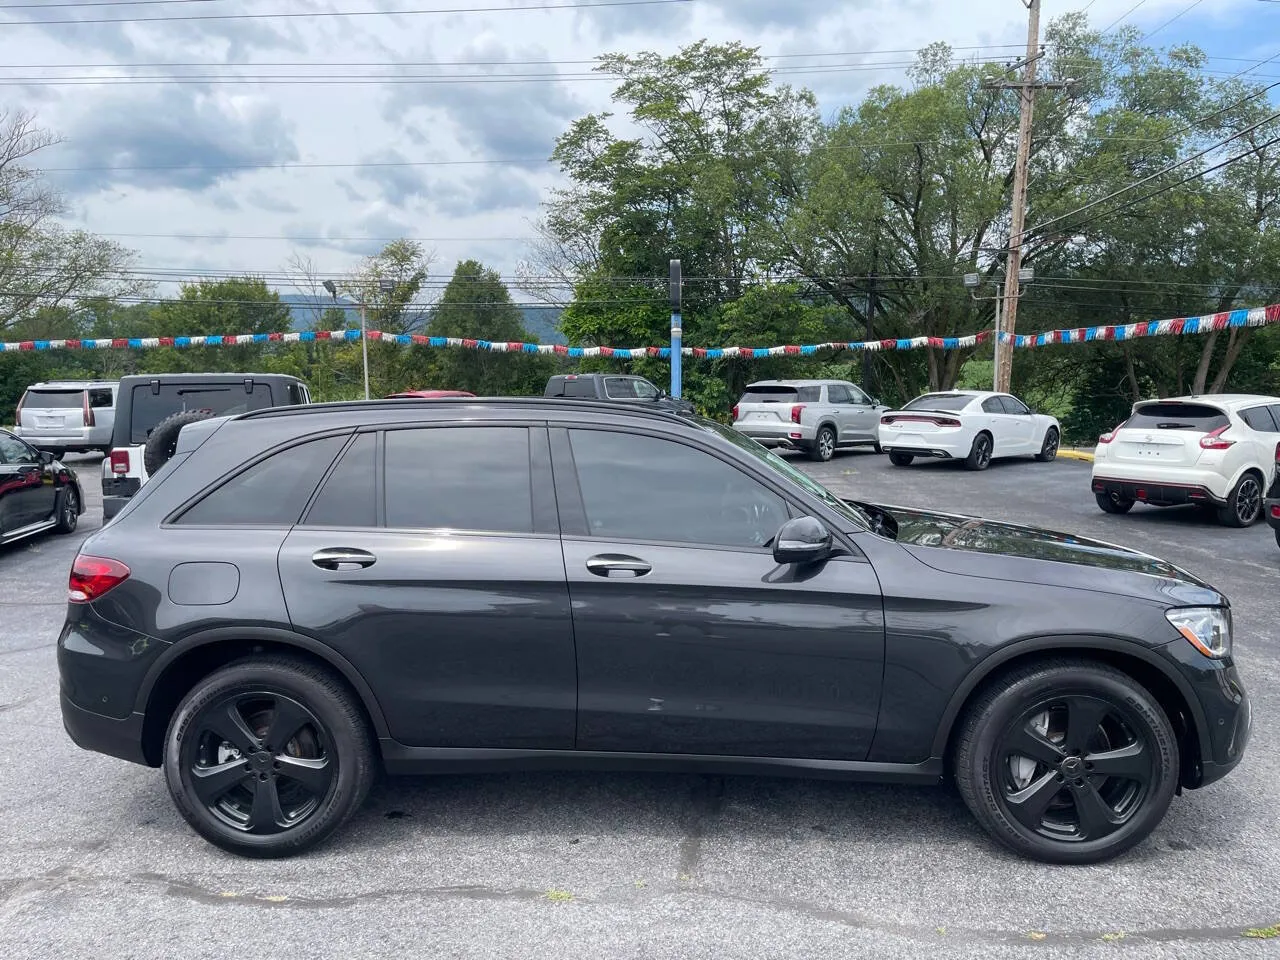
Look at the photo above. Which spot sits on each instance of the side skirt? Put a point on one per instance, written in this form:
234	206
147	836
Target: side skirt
400	759
29	530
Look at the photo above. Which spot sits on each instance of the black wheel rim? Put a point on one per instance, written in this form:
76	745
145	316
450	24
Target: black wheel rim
260	762
1248	500
1051	444
1073	769
826	444
983	452
70	510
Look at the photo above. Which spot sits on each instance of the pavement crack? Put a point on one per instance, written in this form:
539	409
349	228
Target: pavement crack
706	800
6	707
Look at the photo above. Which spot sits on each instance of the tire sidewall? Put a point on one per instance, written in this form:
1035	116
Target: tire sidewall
818	453
1137	708
163	440
1045	455
973	462
346	793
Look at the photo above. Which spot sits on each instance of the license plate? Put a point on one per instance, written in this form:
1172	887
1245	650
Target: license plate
910	439
50	421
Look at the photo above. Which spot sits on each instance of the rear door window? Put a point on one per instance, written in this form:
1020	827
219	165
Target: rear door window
272	492
1014	406
838	394
993	405
1198	417
349	496
53	400
223	399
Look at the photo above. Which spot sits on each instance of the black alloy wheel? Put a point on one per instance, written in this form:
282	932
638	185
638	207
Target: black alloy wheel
980	454
1067	762
1244	504
1049	449
69	511
267	757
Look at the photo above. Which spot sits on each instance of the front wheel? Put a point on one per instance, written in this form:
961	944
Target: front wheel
901	459
68	512
1049	449
824	445
268	756
980	453
1067	761
1244	503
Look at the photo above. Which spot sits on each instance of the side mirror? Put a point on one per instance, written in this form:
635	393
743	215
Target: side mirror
802	540
47	457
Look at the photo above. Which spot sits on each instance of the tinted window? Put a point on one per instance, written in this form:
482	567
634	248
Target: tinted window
645	488
100	398
1177	416
1259	418
629	388
782	395
1015	406
273	492
945	402
54	399
837	394
1275	412
460	478
992	405
578	388
858	395
349	497
220	400
13	450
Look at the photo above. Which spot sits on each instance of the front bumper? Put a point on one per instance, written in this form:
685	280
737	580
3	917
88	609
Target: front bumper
1225	720
1156	493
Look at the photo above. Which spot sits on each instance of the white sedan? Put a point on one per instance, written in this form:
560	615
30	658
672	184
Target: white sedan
971	425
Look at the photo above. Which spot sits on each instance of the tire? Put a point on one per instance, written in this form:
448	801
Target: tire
1244	503
876	447
68	511
1113	503
327	725
1049	449
901	459
979	457
1068	813
824	445
164	438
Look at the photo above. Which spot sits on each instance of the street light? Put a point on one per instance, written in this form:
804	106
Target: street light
972	282
384	286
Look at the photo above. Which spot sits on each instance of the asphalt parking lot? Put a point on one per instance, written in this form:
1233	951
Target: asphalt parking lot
94	862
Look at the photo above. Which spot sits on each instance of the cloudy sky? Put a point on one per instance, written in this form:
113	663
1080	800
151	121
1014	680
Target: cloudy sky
285	134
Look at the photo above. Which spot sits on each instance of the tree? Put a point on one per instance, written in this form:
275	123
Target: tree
232	306
42	264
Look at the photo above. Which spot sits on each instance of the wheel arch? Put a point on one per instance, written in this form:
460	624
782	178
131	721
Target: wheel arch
1140	663
826	420
192	658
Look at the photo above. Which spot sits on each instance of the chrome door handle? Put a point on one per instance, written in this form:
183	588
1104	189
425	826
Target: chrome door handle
334	557
607	564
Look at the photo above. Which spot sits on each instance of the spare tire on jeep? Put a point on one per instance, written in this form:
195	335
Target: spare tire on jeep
163	440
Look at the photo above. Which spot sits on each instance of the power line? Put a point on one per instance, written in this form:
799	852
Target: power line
1115	23
97	3
1175	17
344	13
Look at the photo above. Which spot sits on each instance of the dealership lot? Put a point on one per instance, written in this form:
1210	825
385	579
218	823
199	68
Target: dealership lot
94	861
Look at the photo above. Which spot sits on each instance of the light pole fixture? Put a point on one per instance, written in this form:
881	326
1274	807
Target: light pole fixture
973	282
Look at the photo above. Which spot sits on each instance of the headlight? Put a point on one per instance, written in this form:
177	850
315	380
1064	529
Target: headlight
1208	629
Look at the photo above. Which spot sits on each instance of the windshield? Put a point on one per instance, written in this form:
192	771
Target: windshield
776	463
946	402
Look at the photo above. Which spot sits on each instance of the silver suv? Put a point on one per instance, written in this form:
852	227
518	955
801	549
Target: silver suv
817	416
63	415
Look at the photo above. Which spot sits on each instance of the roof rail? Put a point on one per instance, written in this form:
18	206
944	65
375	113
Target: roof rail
426	403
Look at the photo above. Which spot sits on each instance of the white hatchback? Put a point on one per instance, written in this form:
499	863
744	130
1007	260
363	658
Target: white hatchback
1217	451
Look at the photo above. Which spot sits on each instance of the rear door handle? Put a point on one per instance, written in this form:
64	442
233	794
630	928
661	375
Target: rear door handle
609	564
334	558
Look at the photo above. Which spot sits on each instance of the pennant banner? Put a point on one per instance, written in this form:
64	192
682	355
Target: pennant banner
1257	317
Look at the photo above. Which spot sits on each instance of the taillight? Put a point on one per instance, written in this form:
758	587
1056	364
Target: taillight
795	412
92	577
1110	435
735	412
88	411
920	418
120	461
1215	441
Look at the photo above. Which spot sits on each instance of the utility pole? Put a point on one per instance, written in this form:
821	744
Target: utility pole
1026	88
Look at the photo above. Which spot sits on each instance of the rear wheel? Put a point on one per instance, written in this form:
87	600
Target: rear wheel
1067	761
1113	502
268	756
901	459
1244	504
980	453
824	445
1049	449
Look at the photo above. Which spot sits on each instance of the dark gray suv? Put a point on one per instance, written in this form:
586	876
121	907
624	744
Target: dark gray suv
303	595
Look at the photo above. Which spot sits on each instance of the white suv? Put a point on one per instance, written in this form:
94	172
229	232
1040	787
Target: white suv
1217	451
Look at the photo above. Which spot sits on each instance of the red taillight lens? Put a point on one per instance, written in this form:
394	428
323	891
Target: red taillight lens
1278	453
91	577
88	411
795	412
735	411
1215	441
120	461
1108	437
17	414
1275	512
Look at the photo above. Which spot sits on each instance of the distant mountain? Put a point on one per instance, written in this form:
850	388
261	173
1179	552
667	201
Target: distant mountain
541	322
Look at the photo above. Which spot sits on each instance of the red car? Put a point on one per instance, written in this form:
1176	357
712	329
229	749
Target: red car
429	394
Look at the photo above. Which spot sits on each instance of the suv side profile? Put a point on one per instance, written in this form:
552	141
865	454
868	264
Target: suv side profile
64	416
153	408
817	416
307	594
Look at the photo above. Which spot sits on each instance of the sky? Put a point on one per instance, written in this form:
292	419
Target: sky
431	125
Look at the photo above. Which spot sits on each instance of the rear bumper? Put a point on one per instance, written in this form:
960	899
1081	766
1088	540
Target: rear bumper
88	438
92	731
1155	492
944	444
795	435
116	492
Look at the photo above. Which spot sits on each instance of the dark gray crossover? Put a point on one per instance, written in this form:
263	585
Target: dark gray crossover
302	596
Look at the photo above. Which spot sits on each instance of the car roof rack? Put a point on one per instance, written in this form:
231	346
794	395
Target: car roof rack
435	403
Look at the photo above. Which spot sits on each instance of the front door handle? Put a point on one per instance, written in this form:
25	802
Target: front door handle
609	564
334	557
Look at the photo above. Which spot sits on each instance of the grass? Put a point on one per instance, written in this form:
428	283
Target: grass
559	896
1263	933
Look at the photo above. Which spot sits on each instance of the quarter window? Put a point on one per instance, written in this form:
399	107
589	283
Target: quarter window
273	492
1259	418
349	498
459	478
646	488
